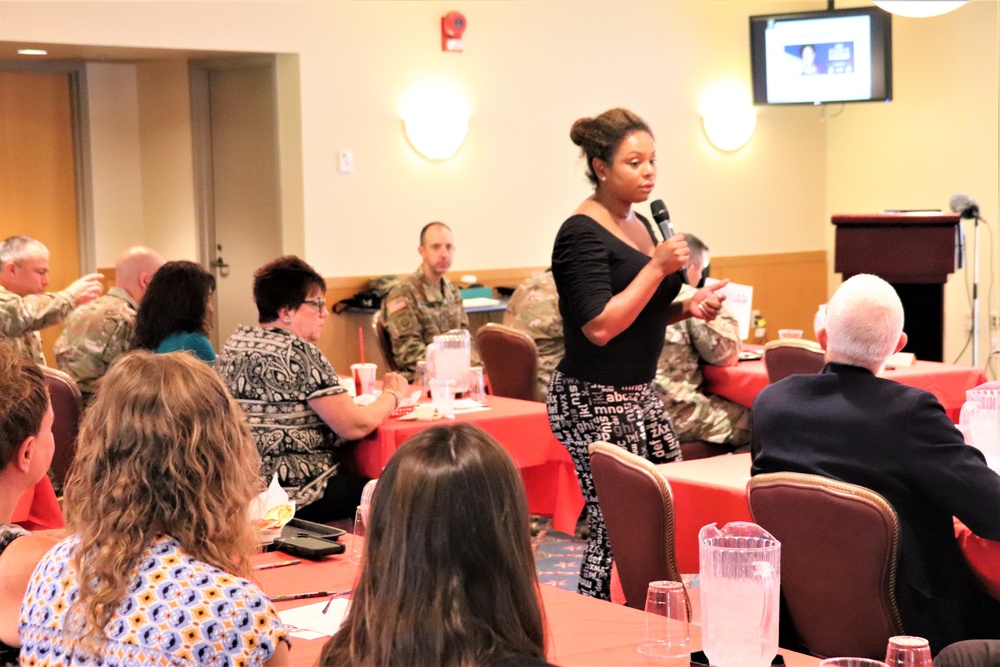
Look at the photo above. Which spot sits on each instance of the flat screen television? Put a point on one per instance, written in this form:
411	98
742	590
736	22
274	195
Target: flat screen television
838	55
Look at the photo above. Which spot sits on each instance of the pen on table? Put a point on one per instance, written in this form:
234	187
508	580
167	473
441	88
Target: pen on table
280	563
313	594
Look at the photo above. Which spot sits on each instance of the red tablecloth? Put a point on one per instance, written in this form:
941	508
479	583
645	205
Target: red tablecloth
714	490
522	427
581	630
705	491
38	509
983	557
741	383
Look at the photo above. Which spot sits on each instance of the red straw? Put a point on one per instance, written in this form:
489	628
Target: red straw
361	343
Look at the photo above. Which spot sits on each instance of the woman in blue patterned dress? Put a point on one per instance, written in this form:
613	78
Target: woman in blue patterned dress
300	414
159	500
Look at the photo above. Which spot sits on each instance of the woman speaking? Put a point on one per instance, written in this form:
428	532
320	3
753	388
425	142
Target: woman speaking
616	289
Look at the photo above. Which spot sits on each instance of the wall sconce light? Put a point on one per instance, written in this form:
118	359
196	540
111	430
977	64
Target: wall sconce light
919	8
436	118
728	116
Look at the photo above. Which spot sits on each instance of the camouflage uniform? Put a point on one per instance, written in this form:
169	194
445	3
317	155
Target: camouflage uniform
697	416
414	311
94	336
21	318
534	309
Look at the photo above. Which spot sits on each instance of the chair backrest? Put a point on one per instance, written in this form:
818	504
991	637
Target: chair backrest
642	540
67	406
511	361
792	356
839	556
384	342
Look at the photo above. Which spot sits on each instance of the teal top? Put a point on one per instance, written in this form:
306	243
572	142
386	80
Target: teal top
190	341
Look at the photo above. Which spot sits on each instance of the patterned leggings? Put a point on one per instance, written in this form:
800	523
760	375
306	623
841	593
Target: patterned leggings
631	417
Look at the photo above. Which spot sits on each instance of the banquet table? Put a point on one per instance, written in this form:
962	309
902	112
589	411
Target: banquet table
581	631
38	508
522	427
714	490
742	382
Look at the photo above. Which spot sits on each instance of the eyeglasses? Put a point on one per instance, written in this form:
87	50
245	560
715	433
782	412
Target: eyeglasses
319	302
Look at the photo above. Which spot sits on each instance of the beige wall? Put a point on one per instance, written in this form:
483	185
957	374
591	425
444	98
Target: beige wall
530	69
114	155
939	136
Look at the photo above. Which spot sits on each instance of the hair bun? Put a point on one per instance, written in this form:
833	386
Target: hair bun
578	133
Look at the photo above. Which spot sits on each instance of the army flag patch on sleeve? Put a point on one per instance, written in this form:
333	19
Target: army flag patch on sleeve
395	305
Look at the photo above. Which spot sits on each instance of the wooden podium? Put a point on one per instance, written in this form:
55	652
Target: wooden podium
915	252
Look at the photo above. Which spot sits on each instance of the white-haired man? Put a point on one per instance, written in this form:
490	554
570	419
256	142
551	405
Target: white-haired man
846	423
25	306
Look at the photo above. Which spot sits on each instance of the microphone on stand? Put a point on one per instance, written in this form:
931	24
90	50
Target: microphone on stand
963	205
968	209
662	218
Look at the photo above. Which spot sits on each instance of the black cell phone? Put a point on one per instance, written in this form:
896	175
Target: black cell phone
312	548
699	659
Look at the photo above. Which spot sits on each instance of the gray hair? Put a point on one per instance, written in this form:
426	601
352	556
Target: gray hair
16	249
864	321
697	248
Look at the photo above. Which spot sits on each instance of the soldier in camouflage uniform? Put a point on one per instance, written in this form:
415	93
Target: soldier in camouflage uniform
25	306
425	303
690	343
101	331
534	309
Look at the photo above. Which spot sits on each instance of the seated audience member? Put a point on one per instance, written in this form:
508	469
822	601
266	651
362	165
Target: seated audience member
534	309
299	412
25	453
159	500
448	577
175	313
425	303
25	307
96	334
846	423
698	415
970	653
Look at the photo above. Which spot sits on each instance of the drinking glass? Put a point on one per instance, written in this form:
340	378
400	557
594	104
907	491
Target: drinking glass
668	634
789	333
477	385
443	396
358	537
905	651
851	662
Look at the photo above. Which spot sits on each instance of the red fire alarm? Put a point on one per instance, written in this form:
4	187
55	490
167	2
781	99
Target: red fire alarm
452	26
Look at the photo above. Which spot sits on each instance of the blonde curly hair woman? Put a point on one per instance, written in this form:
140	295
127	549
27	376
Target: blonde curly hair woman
158	499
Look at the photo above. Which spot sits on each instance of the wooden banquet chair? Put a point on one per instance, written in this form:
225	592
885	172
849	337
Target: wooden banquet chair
792	356
510	358
642	541
839	558
384	342
67	407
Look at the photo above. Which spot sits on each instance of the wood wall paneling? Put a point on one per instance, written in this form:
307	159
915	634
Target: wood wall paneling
788	288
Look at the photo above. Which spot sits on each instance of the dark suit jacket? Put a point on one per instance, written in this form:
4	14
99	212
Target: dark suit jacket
847	424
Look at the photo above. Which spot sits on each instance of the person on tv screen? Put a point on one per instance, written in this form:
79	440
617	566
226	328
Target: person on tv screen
808	54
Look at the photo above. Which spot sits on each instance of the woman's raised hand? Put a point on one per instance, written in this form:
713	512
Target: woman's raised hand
707	302
671	255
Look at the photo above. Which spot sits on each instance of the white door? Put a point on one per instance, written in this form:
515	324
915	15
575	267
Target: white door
241	201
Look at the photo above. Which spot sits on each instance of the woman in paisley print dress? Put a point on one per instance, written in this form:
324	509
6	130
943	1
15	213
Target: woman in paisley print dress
300	414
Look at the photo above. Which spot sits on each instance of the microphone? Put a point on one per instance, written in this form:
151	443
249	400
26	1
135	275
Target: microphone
662	218
962	205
